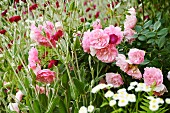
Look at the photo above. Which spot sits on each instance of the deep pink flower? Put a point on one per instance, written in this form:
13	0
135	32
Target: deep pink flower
52	63
134	72
121	62
4	12
3	31
129	35
86	41
94	6
99	39
19	95
115	34
97	24
57	4
97	14
88	9
57	35
107	54
152	75
33	7
46	76
82	19
136	56
114	79
14	19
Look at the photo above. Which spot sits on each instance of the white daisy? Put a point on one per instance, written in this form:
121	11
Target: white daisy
167	100
154	107
122	102
112	103
90	108
109	94
133	83
131	98
83	109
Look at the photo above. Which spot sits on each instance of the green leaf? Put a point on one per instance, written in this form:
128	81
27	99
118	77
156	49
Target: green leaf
150	41
104	104
55	102
146	61
79	85
142	38
72	6
163	31
147	24
138	28
36	106
161	42
144	32
144	108
157	25
150	34
64	80
135	35
62	107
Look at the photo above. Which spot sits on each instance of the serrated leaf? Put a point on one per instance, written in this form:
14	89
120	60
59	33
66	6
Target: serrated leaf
150	34
142	38
147	24
163	31
157	25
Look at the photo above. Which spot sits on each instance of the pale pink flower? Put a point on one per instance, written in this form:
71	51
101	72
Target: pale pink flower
152	75
121	62
129	35
160	90
114	79
46	76
107	54
132	11
19	96
136	56
99	39
39	89
86	41
97	24
115	34
134	72
130	21
33	58
13	107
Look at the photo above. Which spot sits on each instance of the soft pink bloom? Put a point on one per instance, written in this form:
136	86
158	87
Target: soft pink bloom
19	96
114	79
136	56
46	76
33	58
107	54
160	90
99	39
121	62
97	24
115	34
130	21
86	41
132	11
129	35
13	107
134	72
152	75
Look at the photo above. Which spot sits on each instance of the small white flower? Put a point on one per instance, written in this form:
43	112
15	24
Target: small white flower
108	86
109	94
137	89
83	109
122	102
123	90
160	100
168	76
154	101
116	96
13	107
98	87
131	98
150	97
102	86
90	108
167	100
154	107
146	88
112	103
130	88
133	83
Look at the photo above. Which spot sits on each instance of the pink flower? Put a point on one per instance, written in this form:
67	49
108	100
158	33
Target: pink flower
86	41
160	90
52	63
19	96
99	39
114	79
14	18
121	62
129	33
134	72
136	56
13	107
41	90
115	34
152	75
130	21
46	76
97	24
107	54
132	11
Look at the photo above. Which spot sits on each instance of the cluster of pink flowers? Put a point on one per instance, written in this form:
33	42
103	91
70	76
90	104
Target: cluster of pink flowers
135	56
46	34
129	24
102	43
44	75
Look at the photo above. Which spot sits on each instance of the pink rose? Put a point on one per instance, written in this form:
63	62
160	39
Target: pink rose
86	41
115	34
121	62
134	72
152	75
129	33
99	39
13	107
107	54
130	21
19	95
114	79
136	56
46	76
97	24
132	11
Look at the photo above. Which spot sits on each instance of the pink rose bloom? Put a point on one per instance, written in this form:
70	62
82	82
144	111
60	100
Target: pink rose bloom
86	41
97	24
114	79
115	34
130	21
121	62
152	75
107	54
33	58
99	39
132	11
46	76
136	56
19	95
134	72
13	107
129	33
39	89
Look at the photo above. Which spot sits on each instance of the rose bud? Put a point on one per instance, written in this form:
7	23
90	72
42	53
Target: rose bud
82	19
97	14
4	12
52	63
14	19
3	31
33	7
57	4
88	9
